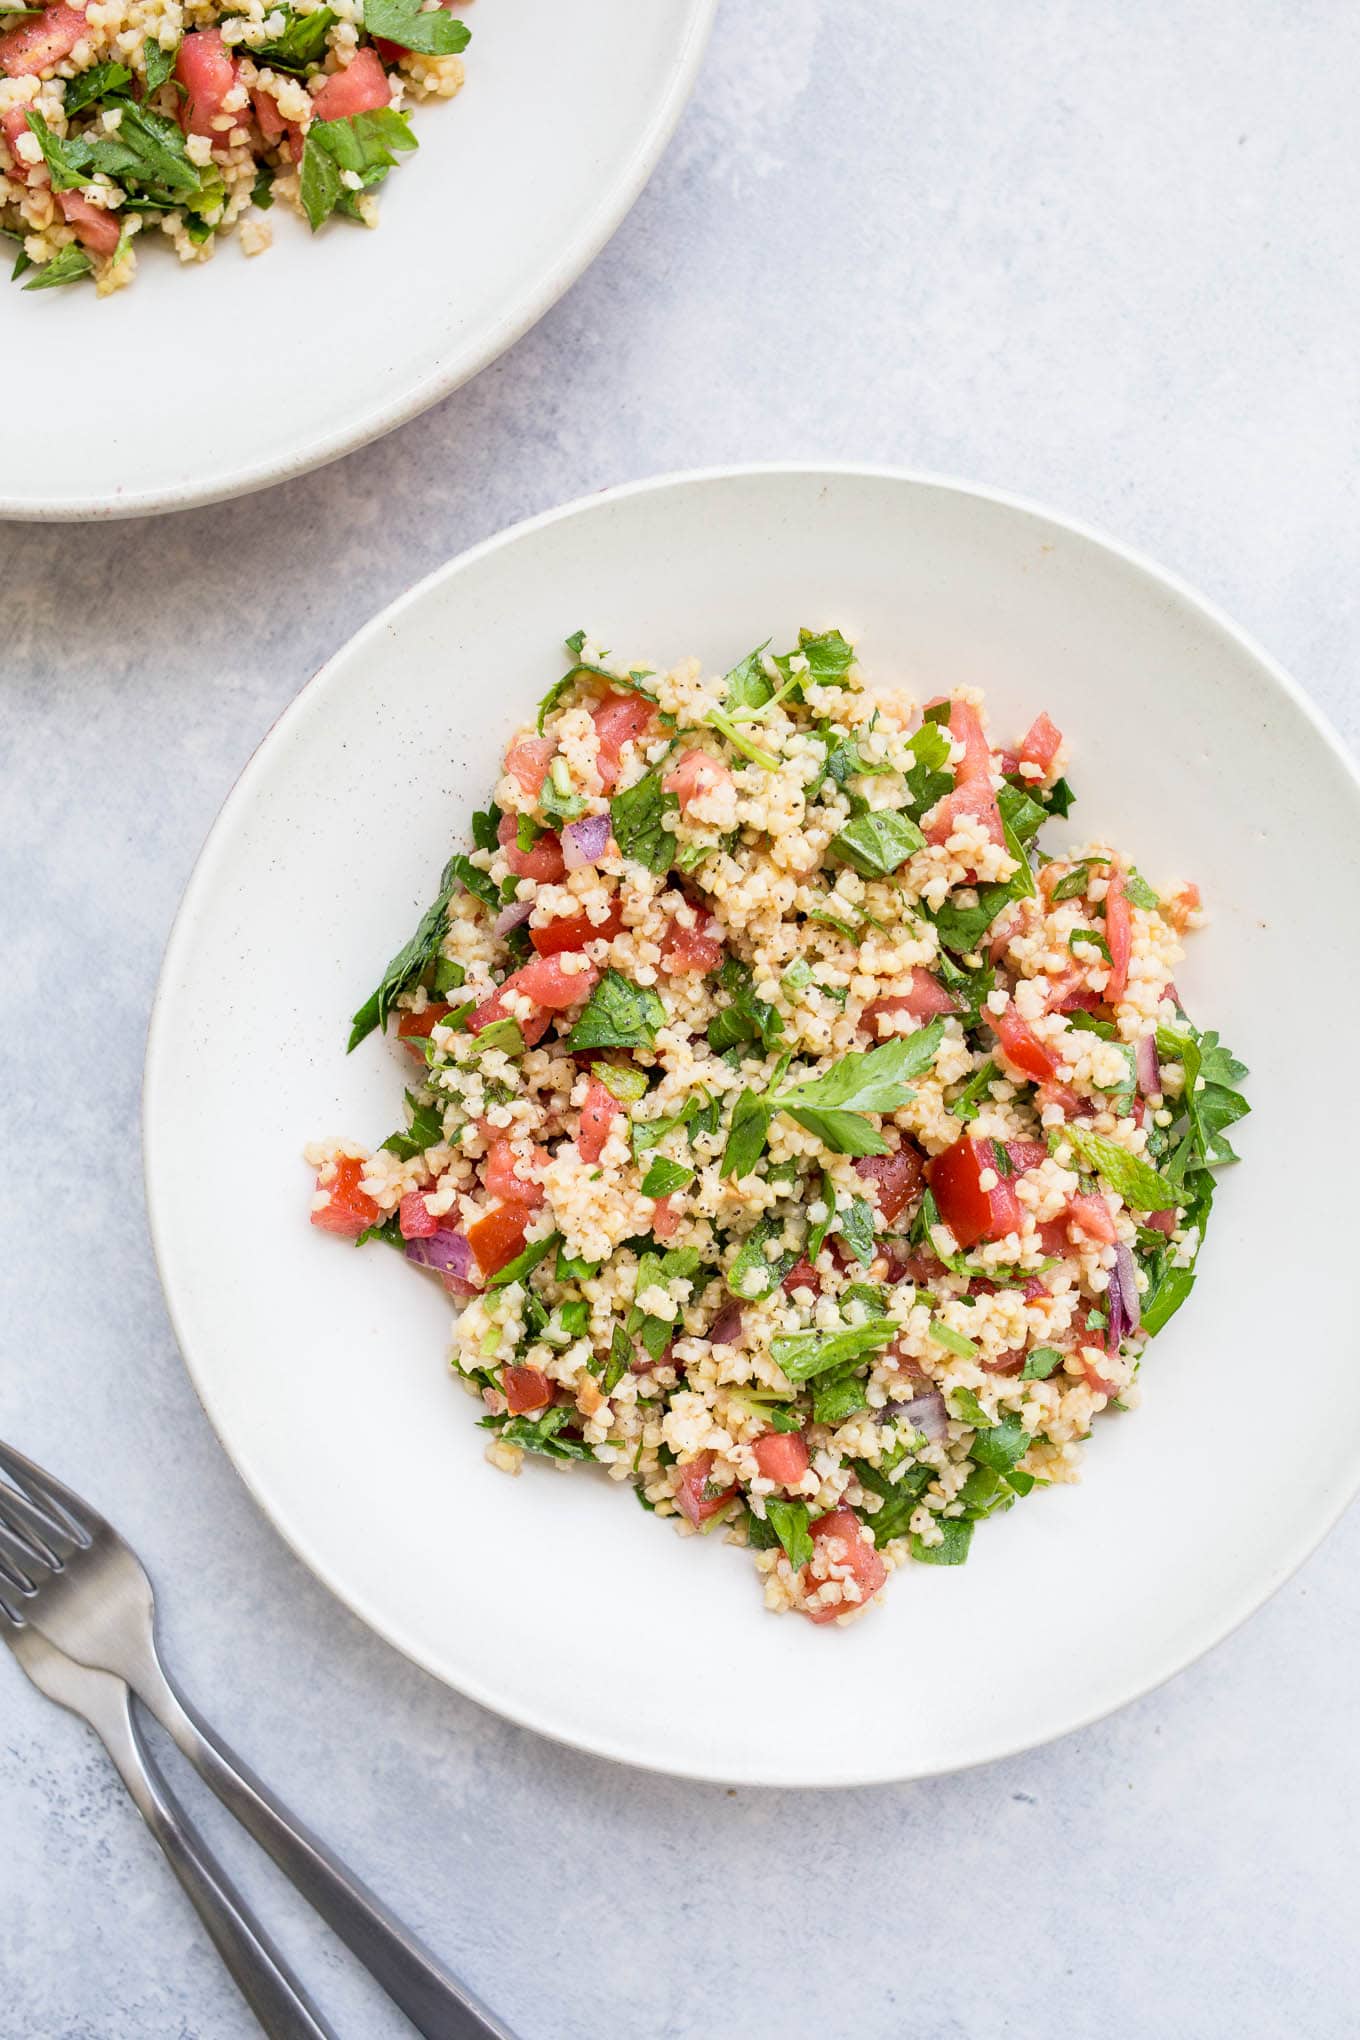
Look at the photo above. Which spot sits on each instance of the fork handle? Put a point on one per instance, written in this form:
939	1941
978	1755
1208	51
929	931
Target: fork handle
269	1987
438	2006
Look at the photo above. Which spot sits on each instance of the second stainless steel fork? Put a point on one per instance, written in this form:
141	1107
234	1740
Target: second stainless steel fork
79	1585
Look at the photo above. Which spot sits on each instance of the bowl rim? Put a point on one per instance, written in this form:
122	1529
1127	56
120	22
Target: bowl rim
596	230
309	697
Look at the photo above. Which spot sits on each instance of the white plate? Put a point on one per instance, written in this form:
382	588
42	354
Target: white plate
186	388
553	1597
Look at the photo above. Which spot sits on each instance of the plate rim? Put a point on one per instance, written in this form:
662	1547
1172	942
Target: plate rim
602	223
1174	1660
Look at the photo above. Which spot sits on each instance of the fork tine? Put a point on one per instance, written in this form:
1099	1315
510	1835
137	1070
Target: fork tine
10	1616
47	1493
14	1577
44	1539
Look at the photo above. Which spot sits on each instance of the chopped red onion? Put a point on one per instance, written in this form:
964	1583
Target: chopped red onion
725	1329
925	1412
513	916
585	842
448	1254
1149	1069
1125	1280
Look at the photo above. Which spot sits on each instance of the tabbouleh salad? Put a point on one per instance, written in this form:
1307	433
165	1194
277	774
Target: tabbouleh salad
194	117
803	1144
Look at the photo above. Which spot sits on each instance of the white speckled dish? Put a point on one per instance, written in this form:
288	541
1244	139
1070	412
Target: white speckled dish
554	1598
186	388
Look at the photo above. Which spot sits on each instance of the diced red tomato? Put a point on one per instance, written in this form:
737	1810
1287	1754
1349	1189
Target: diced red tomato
38	44
782	1456
866	1567
1041	743
923	998
1118	937
696	951
497	1236
542	860
547	984
694	774
693	1502
415	1218
96	229
1021	1046
525	1388
207	71
619	719
665	1219
1184	902
349	1210
528	762
598	1113
1069	1102
1092	1215
269	120
573	931
272	125
970	1212
973	793
359	88
502	1182
643	1363
897	1178
413	1028
1069	993
12	125
1009	1362
1101	1383
802	1275
1025	1154
1009	923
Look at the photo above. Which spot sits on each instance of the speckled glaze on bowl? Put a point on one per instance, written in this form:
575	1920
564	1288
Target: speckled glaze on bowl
554	1598
188	388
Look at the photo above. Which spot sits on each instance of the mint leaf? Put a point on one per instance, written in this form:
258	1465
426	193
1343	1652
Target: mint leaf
753	1275
1131	1178
636	818
414	956
68	266
789	1521
802	1354
958	1535
664	1177
1040	1362
618	1014
878	843
747	1135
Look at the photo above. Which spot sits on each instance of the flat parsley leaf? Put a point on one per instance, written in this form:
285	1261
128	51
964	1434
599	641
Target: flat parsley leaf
636	818
362	144
833	1106
302	43
436	34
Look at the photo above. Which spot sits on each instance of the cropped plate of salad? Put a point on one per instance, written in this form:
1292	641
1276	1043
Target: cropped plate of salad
802	1144
119	116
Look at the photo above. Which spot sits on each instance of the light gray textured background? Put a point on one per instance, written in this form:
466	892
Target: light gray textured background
1100	254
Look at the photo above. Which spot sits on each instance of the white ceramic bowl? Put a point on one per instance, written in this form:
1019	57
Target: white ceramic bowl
185	388
553	1597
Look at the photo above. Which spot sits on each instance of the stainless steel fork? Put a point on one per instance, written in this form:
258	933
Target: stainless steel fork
69	1576
269	1987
